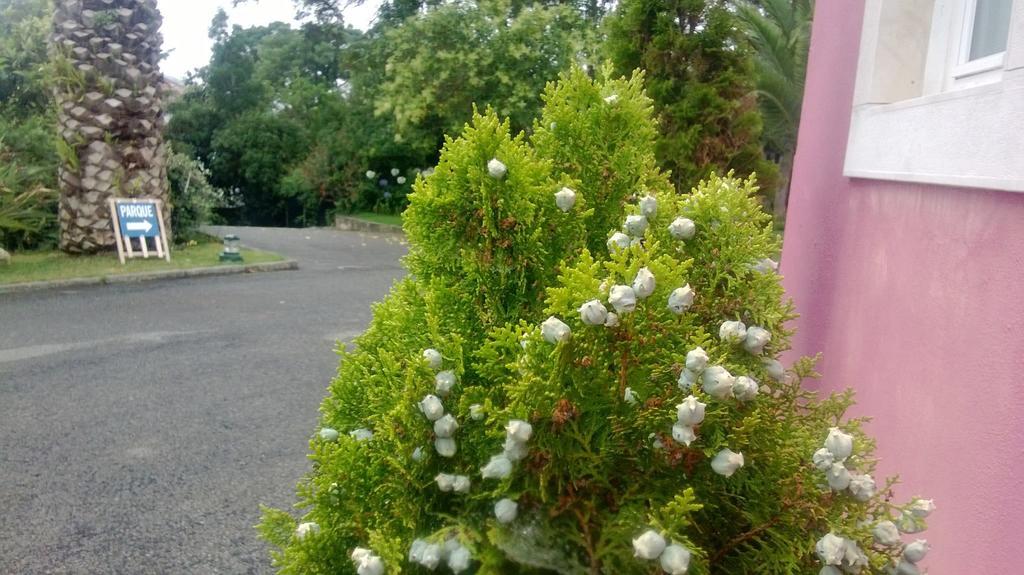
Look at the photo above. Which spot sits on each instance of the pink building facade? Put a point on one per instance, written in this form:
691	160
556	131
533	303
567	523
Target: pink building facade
904	254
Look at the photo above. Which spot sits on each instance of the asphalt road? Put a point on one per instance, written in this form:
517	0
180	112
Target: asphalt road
141	426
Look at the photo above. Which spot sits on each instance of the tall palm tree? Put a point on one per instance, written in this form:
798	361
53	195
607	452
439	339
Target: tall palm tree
109	104
779	32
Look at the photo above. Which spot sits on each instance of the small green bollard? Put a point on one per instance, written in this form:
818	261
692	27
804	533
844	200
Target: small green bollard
232	252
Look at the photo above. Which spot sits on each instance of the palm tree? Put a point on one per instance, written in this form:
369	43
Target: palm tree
110	113
779	32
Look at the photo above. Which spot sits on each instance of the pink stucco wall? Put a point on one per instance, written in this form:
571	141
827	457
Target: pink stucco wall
915	295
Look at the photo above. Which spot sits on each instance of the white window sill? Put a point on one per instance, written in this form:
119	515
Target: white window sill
971	137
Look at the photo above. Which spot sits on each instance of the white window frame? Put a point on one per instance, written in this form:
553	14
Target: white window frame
967	72
919	115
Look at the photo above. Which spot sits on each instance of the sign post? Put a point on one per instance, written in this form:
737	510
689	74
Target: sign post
141	219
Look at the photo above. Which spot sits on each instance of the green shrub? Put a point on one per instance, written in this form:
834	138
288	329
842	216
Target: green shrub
28	168
193	199
27	217
618	459
601	135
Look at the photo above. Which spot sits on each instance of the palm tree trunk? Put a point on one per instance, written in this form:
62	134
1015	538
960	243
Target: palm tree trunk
782	193
110	113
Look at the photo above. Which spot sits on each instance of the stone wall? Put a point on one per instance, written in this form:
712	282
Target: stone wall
109	97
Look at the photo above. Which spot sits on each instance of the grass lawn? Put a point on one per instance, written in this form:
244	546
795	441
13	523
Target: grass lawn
53	265
389	219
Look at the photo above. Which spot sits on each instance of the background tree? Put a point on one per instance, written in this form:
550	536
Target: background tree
373	107
442	62
256	150
780	33
194	198
700	76
24	29
295	82
375	103
28	159
109	105
225	89
396	11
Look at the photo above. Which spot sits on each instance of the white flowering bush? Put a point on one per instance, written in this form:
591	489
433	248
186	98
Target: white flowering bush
533	400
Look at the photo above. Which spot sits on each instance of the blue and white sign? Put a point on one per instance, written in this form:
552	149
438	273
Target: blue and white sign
138	219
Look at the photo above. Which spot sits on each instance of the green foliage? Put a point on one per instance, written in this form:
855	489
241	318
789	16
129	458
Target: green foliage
500	240
28	160
28	169
193	199
66	76
384	99
27	214
299	81
605	146
490	258
780	33
700	77
256	150
106	18
24	30
379	100
392	12
443	61
28	142
333	177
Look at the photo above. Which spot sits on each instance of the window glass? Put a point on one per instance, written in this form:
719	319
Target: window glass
991	27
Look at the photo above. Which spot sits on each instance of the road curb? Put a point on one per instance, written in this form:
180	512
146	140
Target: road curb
350	224
151	276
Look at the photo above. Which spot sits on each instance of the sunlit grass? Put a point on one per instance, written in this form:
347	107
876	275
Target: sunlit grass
389	219
54	265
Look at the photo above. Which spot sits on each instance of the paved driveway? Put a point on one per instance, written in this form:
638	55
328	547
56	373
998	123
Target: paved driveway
142	425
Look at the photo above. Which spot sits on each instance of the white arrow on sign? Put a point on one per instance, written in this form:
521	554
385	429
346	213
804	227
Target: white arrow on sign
143	226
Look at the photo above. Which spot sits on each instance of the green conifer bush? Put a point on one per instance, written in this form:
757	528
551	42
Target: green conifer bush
531	400
601	135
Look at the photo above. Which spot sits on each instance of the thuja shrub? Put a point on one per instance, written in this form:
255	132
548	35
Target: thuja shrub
484	232
601	135
527	402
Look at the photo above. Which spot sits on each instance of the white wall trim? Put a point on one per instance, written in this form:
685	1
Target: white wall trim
963	136
972	137
980	182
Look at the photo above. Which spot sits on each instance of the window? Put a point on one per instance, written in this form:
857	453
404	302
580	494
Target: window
984	32
939	96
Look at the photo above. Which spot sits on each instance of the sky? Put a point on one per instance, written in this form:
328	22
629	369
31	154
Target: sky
186	23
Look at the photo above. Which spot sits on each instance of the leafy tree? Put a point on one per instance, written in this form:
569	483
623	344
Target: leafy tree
443	61
291	80
252	154
193	199
380	101
392	12
223	90
701	79
465	429
333	176
28	142
779	32
24	29
28	159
